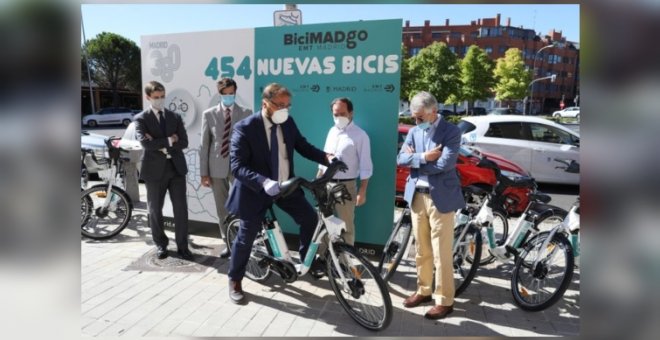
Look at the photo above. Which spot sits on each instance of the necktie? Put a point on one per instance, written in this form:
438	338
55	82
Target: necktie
161	122
225	137
274	155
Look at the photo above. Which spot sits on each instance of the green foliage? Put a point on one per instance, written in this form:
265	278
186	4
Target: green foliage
436	70
114	62
511	77
476	77
411	120
404	94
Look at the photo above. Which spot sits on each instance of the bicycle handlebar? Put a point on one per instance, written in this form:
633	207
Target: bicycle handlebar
290	185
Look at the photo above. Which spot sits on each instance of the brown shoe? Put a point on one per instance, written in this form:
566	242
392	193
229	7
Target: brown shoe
438	312
236	292
415	300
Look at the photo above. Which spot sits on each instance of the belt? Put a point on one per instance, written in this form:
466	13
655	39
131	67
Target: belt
343	180
423	190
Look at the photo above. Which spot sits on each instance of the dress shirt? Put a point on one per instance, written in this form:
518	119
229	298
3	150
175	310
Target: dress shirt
281	148
350	145
169	140
423	180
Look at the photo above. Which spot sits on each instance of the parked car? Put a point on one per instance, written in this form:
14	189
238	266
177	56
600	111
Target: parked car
109	116
571	111
470	173
531	142
504	111
475	111
405	113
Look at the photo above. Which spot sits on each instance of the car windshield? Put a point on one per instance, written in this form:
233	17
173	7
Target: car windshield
465	126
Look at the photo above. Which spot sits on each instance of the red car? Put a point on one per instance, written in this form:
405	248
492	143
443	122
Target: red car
471	174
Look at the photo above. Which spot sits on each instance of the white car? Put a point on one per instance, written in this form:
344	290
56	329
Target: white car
109	116
531	142
572	112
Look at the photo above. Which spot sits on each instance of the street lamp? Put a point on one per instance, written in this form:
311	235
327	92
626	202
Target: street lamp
552	79
531	97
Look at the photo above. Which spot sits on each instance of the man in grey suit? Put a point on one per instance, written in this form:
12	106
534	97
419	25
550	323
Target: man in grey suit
433	192
217	124
163	138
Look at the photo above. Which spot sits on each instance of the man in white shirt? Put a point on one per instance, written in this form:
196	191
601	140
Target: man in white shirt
350	144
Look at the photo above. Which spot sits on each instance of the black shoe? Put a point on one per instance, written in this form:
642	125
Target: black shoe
225	253
318	268
236	292
161	252
185	254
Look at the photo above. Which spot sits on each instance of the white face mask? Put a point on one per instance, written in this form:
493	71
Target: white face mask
157	103
341	122
280	116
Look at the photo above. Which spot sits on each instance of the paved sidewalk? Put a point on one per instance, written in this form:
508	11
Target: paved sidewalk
125	290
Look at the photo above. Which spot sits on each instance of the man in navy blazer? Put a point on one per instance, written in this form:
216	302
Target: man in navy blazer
163	137
258	169
433	192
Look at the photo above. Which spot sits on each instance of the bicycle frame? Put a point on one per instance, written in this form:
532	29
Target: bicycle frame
570	226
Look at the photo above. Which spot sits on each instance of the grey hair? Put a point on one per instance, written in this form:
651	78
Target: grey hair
423	101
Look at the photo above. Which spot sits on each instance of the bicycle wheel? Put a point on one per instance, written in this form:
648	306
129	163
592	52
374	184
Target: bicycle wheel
501	231
364	294
548	222
255	269
99	222
466	256
395	248
535	288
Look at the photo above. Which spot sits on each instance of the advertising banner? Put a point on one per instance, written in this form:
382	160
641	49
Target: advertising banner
317	63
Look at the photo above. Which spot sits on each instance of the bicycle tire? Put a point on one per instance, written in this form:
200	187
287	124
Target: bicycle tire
394	248
466	257
101	223
500	231
547	222
255	270
368	302
528	284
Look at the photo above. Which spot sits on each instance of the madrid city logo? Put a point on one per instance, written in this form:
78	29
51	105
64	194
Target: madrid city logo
165	59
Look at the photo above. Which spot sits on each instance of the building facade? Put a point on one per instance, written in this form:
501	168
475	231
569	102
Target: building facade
495	38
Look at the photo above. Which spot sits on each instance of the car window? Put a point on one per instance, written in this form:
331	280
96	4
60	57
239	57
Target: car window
465	126
550	134
511	130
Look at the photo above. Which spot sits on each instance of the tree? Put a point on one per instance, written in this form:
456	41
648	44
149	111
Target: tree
404	94
512	79
114	63
477	79
435	69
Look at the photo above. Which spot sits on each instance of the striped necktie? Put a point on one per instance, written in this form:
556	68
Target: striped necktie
225	137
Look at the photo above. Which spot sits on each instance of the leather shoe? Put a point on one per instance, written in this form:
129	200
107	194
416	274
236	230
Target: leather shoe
236	292
225	253
318	268
161	252
415	300
185	254
438	312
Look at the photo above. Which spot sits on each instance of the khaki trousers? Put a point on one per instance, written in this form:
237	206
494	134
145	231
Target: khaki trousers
434	236
220	187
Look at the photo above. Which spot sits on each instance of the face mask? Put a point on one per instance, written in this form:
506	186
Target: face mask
341	122
228	99
157	103
280	116
424	125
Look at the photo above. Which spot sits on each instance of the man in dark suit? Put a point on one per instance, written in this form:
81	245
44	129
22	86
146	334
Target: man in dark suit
163	138
261	152
217	124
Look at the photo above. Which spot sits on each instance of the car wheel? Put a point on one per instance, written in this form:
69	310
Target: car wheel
92	123
126	122
577	116
556	115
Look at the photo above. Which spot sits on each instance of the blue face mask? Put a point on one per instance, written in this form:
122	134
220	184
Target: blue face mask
424	125
228	99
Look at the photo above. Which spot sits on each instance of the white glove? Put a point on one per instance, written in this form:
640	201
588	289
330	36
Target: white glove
271	187
163	150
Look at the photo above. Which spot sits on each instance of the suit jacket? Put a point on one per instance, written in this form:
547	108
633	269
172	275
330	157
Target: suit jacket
250	162
153	160
211	161
444	183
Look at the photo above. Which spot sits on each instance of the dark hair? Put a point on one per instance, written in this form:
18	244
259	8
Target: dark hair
349	104
153	86
225	83
274	90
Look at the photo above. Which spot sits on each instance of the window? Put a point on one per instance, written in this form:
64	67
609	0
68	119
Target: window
503	49
414	51
452	49
550	134
488	49
512	130
436	35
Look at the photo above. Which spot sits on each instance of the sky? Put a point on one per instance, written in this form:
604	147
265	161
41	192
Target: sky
135	20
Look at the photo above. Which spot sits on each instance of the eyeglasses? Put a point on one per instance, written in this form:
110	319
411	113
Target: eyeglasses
419	119
280	106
